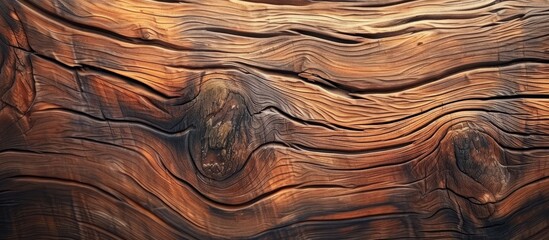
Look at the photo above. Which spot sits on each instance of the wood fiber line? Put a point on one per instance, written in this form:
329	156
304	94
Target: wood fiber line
137	119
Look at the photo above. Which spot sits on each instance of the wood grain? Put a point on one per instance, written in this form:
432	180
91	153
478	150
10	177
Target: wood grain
141	119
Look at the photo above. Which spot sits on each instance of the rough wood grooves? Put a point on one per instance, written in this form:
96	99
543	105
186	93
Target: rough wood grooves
194	119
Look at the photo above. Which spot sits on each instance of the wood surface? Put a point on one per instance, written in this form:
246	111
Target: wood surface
274	119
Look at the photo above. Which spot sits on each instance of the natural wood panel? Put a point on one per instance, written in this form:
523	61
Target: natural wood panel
274	119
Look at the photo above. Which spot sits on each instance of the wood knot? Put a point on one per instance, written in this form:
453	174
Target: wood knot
219	143
147	34
478	156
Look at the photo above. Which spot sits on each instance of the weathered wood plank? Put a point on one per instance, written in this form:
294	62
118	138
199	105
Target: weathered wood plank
274	119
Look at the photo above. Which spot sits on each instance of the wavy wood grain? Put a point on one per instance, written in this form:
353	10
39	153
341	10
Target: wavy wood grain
274	119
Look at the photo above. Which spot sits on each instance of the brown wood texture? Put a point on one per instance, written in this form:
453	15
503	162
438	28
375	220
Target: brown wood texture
141	119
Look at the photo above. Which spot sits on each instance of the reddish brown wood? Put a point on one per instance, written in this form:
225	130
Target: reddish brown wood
140	119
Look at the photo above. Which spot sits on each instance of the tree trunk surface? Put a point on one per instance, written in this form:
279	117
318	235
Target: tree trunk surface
141	119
